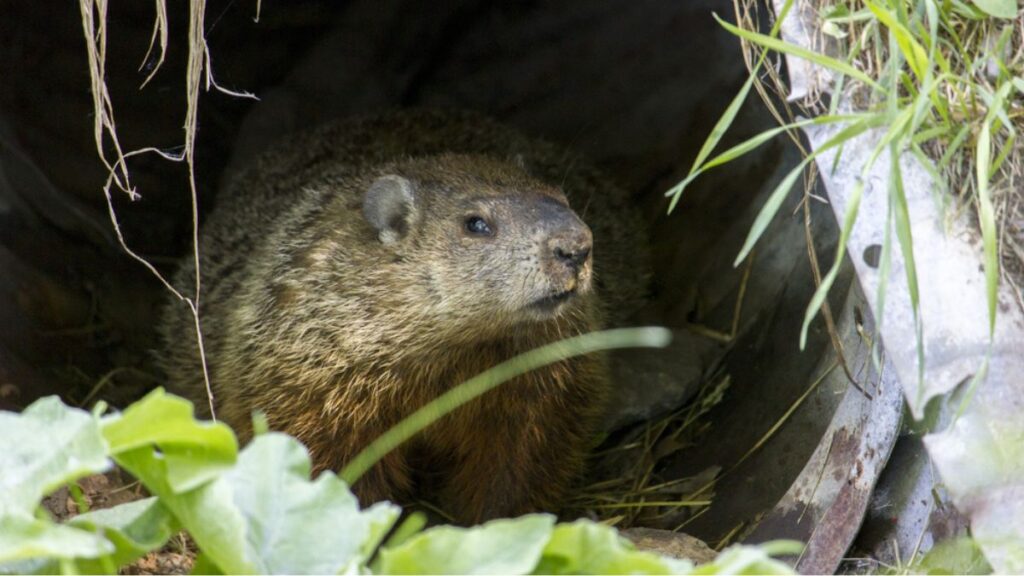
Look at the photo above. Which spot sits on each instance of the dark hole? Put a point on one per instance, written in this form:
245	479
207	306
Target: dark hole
873	255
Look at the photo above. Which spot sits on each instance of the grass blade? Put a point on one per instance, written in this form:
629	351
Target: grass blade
901	221
778	195
913	52
474	387
786	47
725	121
986	212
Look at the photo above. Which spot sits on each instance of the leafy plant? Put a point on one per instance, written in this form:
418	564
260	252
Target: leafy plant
257	511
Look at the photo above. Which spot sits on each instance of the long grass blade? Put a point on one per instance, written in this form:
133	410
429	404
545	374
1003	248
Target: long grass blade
904	235
751	144
727	118
913	52
474	387
986	212
778	195
786	47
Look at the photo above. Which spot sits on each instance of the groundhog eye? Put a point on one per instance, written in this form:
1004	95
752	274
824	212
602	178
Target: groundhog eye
478	226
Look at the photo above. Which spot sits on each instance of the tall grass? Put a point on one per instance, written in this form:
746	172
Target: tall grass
938	79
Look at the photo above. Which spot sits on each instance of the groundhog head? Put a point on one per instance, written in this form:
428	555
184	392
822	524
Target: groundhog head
491	243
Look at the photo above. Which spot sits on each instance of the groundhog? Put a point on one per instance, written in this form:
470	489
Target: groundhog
358	271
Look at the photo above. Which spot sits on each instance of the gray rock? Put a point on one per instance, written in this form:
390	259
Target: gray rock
668	543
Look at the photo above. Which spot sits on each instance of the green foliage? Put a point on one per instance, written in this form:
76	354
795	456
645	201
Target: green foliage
498	547
134	528
193	452
934	79
45	447
587	548
257	511
998	8
956	556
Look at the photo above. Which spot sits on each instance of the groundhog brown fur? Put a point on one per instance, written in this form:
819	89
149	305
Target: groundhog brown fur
360	270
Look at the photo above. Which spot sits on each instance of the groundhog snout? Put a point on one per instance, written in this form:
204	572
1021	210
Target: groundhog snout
571	249
568	254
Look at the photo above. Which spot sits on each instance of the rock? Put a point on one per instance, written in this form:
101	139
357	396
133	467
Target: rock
668	543
650	382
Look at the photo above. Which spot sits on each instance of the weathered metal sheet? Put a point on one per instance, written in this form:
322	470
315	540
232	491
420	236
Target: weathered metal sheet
826	504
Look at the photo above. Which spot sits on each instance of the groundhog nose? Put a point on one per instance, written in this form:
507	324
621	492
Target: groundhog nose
573	257
572	249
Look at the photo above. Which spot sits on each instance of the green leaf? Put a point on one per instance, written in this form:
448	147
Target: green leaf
998	8
751	559
45	447
297	526
896	129
585	547
134	528
497	547
203	565
727	118
770	209
799	51
954	556
723	124
904	235
266	516
913	52
194	452
27	538
750	144
818	299
207	512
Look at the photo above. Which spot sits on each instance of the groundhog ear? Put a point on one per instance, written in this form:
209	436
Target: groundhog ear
390	206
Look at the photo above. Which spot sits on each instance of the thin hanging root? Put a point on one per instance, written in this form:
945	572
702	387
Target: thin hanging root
94	28
159	31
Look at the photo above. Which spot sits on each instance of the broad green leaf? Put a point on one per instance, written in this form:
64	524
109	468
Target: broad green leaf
585	547
799	51
294	525
954	556
497	547
266	516
134	528
207	513
26	538
45	447
998	8
203	565
194	451
380	518
752	559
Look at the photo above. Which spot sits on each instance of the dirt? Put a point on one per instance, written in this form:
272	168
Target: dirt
110	489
